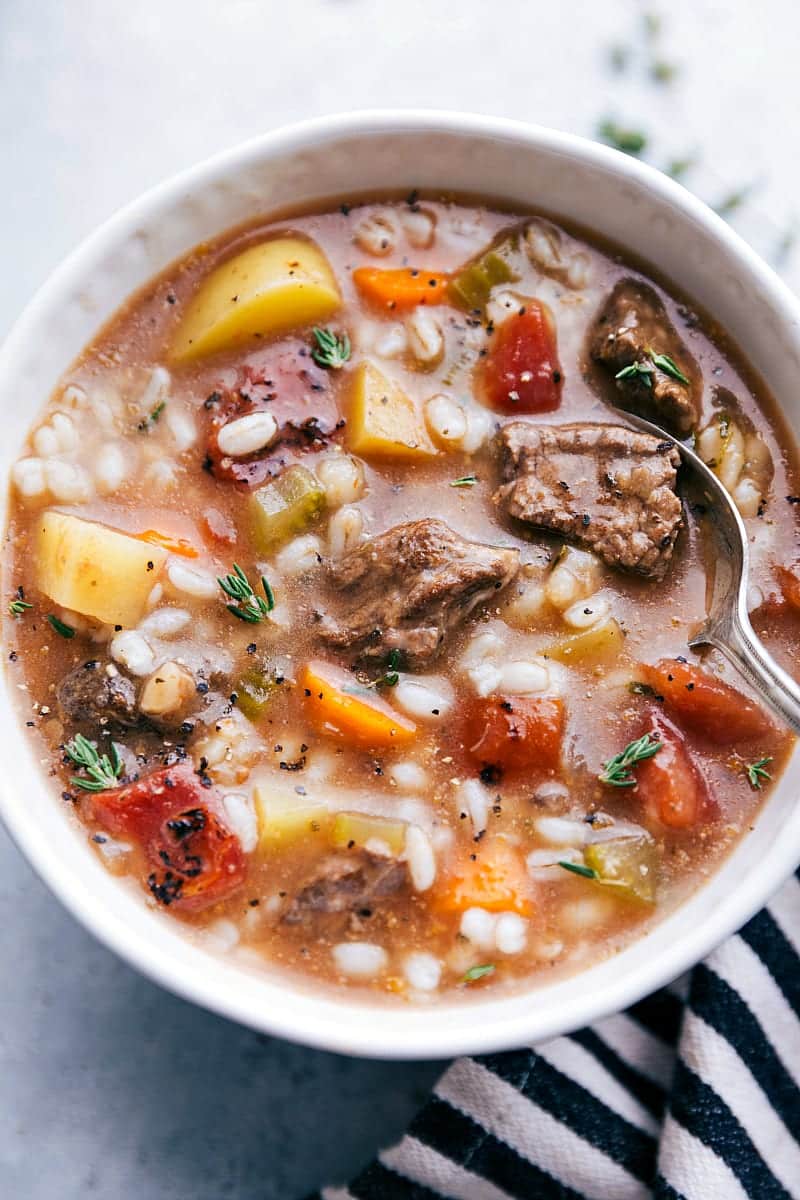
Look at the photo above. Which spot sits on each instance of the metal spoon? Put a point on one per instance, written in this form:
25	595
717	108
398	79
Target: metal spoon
727	624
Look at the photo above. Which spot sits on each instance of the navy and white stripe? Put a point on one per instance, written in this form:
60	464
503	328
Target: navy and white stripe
692	1094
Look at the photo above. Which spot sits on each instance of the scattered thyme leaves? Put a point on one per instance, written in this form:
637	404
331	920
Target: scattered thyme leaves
637	370
579	869
152	418
331	350
247	605
617	771
103	770
61	627
464	481
478	972
668	366
630	141
17	607
757	773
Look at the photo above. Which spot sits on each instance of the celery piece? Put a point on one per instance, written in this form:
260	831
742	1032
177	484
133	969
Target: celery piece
283	820
629	863
285	506
254	693
471	286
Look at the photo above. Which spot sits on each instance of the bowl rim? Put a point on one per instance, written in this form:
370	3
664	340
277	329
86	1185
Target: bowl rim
395	1042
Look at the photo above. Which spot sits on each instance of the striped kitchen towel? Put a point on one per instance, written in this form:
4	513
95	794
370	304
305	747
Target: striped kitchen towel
693	1093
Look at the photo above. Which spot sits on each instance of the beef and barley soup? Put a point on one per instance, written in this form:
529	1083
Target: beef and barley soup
350	615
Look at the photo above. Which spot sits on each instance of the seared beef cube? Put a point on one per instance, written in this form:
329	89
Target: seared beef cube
631	329
408	588
345	884
92	696
605	487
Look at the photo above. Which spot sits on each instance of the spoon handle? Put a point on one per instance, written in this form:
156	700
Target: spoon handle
736	639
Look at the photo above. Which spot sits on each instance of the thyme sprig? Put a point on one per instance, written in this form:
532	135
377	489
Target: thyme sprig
645	370
464	481
103	770
331	350
17	607
247	605
617	771
757	773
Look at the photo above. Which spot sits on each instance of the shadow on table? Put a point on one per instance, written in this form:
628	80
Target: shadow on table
113	1088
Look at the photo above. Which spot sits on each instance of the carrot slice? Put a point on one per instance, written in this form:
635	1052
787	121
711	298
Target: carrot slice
401	287
174	545
704	704
493	877
339	706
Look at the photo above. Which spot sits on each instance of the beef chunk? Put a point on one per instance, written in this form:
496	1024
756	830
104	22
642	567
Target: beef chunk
91	696
632	327
344	884
407	588
606	487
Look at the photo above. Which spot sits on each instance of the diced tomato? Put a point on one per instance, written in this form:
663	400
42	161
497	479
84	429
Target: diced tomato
491	876
522	373
670	784
192	856
703	704
515	733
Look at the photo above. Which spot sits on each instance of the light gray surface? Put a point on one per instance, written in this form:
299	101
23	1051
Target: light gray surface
108	1086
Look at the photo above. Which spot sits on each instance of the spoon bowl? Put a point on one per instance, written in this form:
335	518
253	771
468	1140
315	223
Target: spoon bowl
727	627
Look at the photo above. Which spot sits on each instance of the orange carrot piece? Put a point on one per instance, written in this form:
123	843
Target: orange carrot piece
338	705
402	287
174	545
493	876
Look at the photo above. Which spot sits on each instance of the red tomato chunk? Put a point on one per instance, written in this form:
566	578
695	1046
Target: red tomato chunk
516	733
193	858
670	784
704	704
521	373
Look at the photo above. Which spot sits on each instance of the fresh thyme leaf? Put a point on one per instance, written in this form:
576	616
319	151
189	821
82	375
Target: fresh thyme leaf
390	677
330	351
464	481
662	71
17	607
757	772
617	771
652	25
152	417
668	366
630	141
637	370
247	605
479	972
103	770
733	201
61	627
678	167
579	869
619	57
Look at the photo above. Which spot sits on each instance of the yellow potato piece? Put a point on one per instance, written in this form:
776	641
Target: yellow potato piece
361	829
284	819
597	644
383	421
265	290
96	571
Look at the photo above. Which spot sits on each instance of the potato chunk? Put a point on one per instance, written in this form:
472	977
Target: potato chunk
266	289
284	819
383	421
96	571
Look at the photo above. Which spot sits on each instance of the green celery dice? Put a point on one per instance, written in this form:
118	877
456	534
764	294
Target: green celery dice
286	506
629	863
471	286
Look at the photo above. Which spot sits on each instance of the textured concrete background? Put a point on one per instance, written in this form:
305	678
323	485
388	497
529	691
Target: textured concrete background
108	1086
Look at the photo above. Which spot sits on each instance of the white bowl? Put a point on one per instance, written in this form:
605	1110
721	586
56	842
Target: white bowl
361	153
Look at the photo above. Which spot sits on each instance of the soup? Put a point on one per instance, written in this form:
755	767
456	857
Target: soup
350	617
